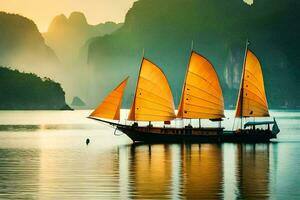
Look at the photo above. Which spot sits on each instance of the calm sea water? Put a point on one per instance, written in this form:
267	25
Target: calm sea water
43	155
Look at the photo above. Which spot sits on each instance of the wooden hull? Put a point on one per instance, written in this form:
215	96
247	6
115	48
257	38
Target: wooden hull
194	135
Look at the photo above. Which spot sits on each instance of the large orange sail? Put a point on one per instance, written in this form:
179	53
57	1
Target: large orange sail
252	101
153	100
202	96
110	106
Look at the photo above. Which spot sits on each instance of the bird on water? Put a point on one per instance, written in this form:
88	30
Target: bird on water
87	141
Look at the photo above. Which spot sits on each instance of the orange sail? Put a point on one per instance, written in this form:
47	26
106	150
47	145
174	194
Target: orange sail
153	100
252	101
202	96
110	106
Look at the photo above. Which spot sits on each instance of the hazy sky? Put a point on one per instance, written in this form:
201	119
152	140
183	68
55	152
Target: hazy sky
43	11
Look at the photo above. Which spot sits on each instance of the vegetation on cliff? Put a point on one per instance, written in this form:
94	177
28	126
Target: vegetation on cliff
165	29
27	91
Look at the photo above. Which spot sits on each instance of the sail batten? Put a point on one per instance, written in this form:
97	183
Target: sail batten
252	101
156	96
256	105
212	86
260	92
202	96
153	99
258	98
110	106
212	102
249	81
199	102
204	107
207	113
153	115
158	105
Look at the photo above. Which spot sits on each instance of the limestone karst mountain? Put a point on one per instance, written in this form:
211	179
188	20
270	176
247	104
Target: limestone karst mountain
69	38
165	29
77	102
66	36
23	47
27	91
91	59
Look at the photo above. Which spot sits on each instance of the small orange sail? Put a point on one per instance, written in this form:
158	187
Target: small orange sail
252	101
110	106
202	96
153	100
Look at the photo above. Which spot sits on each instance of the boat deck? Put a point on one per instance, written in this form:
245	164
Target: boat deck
194	135
149	134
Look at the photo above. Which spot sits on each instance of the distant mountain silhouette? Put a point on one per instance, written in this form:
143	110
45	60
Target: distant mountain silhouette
69	38
68	35
26	91
166	28
23	47
77	102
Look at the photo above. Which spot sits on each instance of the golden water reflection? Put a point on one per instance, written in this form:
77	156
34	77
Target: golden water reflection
177	171
43	155
195	171
253	171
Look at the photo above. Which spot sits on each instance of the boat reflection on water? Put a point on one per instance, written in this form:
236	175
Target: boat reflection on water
160	171
253	171
202	171
152	170
194	171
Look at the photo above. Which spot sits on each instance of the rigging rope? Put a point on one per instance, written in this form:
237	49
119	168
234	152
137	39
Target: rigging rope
115	132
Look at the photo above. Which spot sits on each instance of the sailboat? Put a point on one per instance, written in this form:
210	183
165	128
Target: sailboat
201	98
252	103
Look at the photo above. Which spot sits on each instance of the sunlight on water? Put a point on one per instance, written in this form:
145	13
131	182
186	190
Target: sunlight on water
43	155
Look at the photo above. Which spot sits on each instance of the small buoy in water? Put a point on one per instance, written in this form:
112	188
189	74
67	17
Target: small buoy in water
87	141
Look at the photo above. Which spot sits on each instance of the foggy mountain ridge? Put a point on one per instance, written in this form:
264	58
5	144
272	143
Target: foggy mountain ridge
166	28
69	38
90	60
66	36
23	47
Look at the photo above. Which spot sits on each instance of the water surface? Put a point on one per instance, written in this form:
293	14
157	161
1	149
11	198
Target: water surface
43	155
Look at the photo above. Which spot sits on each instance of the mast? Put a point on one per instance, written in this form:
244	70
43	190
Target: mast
184	85
192	49
132	112
252	101
242	82
184	82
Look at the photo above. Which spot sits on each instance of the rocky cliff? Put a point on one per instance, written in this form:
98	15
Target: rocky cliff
165	29
23	47
26	91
